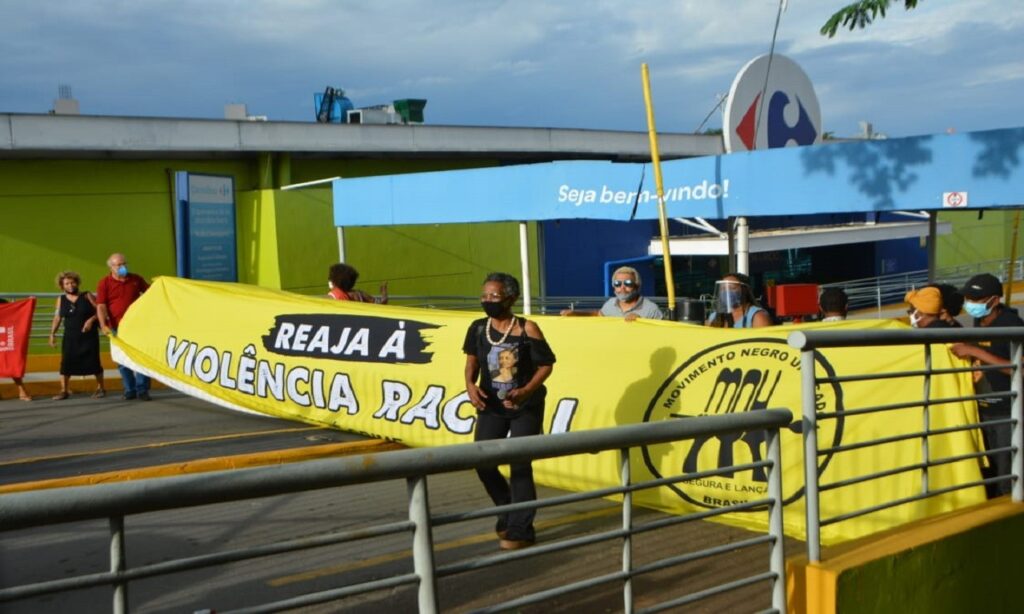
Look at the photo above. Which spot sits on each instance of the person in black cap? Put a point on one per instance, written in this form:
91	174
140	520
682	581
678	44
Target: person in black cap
982	301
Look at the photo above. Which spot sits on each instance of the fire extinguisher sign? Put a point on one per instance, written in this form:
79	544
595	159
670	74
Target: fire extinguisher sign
954	199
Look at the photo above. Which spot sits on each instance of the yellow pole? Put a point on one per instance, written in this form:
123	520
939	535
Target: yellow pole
1013	260
656	162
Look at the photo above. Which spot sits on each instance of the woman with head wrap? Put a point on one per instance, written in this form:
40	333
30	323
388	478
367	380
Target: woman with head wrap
925	309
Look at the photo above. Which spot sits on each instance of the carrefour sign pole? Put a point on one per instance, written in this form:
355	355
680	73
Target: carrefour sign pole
776	83
670	287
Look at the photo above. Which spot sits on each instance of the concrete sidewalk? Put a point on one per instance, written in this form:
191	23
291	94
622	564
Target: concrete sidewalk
42	379
46	384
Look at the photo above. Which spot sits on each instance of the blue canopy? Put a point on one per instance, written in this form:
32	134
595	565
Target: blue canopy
972	170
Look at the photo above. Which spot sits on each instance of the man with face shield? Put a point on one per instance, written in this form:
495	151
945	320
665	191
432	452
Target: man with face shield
627	303
982	295
735	306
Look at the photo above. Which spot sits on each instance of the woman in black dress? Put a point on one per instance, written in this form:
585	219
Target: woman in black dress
507	361
80	348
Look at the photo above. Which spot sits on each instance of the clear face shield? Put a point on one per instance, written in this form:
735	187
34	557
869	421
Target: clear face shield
728	295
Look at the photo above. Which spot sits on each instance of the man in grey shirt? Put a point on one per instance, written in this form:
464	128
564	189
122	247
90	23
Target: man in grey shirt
627	302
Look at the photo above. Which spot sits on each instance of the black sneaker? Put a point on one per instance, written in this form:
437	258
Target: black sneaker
128	396
144	396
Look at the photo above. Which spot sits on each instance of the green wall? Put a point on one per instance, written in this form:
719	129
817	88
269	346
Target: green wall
976	240
972	571
438	260
71	214
321	168
307	242
450	259
257	238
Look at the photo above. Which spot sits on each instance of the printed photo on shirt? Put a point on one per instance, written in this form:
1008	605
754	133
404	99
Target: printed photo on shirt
502	362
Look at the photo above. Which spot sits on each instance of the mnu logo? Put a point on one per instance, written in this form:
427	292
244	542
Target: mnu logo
738	376
779	132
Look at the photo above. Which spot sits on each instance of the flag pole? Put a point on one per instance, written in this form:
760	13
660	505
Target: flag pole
1012	266
656	162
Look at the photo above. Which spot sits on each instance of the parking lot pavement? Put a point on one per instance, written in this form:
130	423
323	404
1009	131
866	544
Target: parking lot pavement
47	439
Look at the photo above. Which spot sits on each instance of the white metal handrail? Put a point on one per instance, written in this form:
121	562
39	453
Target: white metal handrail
808	342
116	501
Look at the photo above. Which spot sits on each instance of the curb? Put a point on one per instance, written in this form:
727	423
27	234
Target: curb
44	385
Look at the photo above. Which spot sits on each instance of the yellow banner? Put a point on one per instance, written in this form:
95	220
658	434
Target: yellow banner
397	373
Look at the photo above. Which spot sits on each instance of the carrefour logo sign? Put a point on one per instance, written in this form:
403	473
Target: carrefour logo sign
210	189
783	114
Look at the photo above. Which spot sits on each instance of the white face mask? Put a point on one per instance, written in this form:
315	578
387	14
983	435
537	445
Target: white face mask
330	285
915	319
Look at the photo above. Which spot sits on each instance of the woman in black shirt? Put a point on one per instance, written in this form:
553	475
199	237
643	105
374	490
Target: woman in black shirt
507	361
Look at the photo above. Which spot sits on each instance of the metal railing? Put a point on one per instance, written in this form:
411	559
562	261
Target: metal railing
808	341
875	292
890	289
540	305
39	335
116	501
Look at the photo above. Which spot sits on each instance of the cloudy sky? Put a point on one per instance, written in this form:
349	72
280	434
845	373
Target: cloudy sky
575	64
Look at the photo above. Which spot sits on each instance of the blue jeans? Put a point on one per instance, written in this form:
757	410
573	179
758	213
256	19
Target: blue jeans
134	383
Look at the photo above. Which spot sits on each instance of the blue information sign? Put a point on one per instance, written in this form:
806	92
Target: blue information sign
206	235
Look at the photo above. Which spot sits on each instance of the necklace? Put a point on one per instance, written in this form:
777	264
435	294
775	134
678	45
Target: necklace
511	325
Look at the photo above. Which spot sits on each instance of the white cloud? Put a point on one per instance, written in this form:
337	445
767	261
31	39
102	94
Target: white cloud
430	80
190	56
927	28
1011	70
516	67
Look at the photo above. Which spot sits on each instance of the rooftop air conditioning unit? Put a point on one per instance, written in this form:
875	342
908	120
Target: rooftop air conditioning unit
371	116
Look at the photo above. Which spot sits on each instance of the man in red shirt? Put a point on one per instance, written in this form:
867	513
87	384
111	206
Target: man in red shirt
114	294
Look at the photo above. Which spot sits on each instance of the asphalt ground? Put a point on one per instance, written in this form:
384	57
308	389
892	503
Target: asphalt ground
47	439
80	438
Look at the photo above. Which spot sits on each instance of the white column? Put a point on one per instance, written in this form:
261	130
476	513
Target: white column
742	246
933	236
524	257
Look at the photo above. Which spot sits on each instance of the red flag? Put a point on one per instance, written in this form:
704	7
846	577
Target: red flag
15	325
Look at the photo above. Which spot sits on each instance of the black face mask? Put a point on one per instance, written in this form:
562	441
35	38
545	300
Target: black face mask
493	309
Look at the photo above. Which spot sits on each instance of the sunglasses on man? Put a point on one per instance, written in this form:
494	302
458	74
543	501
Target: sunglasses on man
618	283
